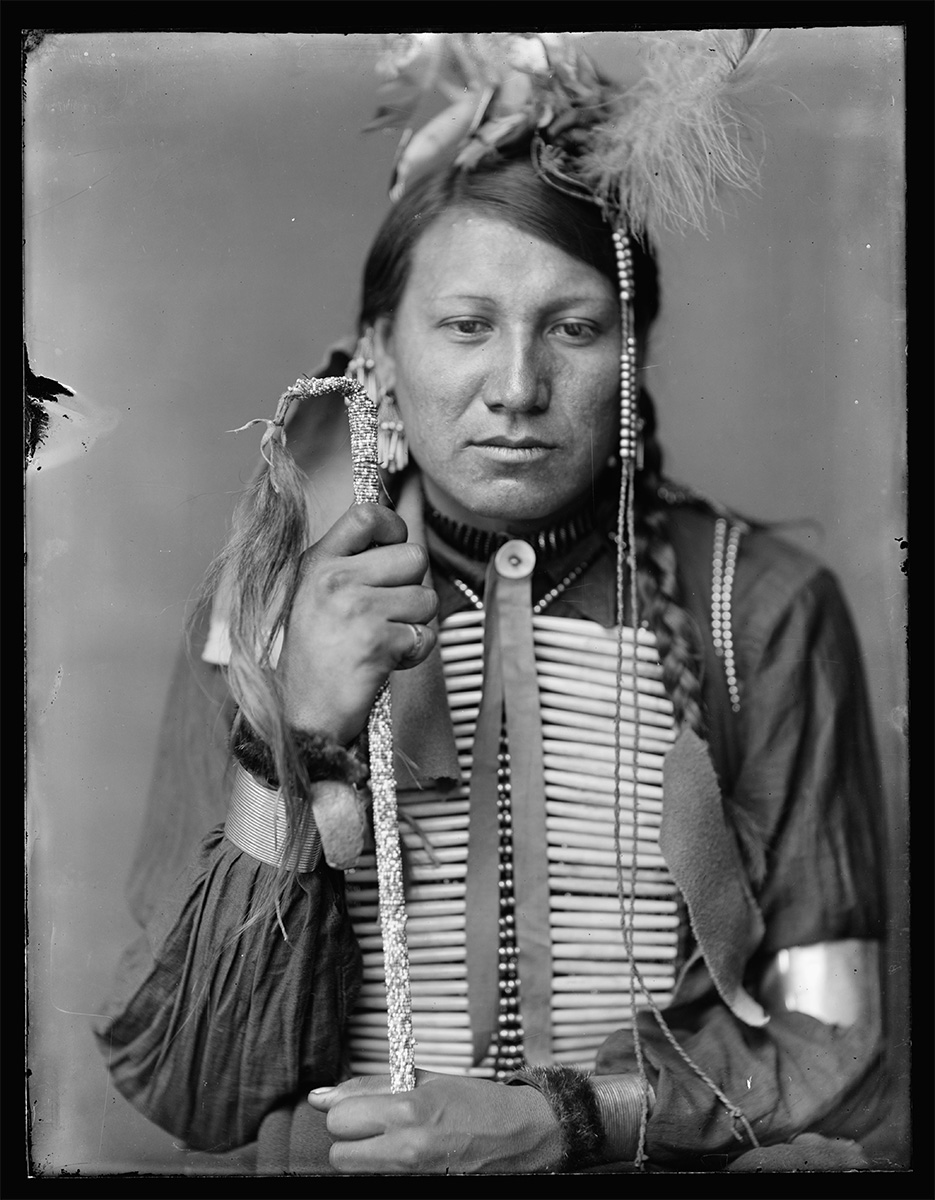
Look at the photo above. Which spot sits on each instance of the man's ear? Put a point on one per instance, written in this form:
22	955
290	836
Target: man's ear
384	360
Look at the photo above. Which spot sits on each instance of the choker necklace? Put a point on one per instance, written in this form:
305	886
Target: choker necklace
479	544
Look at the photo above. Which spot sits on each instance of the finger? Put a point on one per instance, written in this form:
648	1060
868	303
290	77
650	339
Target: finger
421	639
380	1155
322	1098
410	603
325	1098
368	1115
361	1085
359	527
380	566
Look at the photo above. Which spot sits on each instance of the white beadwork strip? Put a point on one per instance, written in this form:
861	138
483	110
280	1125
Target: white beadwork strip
730	566
576	663
723	567
717	580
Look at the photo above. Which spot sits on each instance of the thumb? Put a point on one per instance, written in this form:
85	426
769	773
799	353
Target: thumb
324	1098
358	528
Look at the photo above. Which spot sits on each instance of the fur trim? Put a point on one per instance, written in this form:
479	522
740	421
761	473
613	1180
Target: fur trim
324	758
575	1106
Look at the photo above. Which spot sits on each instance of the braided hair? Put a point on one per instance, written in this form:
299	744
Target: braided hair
659	588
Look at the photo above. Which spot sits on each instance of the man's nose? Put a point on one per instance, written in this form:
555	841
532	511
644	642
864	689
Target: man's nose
517	377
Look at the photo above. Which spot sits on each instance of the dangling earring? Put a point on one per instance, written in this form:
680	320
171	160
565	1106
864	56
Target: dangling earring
361	365
392	446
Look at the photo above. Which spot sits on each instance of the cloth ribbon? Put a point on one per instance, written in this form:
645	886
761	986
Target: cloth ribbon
703	859
511	699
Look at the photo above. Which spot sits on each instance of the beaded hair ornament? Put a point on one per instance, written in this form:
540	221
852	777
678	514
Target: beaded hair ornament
651	156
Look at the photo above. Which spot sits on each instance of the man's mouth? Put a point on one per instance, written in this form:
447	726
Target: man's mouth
514	443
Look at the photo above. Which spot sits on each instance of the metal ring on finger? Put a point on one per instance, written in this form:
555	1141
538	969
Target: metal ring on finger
418	634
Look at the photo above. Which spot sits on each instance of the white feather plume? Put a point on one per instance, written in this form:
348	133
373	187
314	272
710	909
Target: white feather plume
675	137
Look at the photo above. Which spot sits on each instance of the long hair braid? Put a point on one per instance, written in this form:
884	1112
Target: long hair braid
677	637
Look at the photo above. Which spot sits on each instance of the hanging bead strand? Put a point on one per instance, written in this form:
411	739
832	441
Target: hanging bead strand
629	416
509	1044
630	455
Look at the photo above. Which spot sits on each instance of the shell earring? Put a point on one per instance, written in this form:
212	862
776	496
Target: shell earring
392	446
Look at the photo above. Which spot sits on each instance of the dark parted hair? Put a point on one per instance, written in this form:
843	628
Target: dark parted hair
506	190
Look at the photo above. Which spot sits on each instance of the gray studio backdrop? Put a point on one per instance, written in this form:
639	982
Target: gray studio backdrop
197	210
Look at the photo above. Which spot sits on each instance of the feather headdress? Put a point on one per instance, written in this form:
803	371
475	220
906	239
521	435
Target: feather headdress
653	154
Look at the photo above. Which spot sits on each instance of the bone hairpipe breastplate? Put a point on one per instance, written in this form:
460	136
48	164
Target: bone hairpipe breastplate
576	665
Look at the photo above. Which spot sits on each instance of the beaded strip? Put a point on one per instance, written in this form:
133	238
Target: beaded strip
723	568
362	420
508	1054
717	583
540	606
629	420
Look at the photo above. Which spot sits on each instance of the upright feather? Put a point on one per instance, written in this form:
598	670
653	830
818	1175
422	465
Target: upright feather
675	137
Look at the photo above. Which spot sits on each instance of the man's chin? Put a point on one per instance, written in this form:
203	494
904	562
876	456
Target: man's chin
509	505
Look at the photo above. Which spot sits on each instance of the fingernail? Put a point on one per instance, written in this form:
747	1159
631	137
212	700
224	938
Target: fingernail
319	1092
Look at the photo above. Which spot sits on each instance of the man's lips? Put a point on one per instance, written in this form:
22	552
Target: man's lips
522	443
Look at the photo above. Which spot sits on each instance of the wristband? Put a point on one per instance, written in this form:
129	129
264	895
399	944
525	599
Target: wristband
322	756
575	1106
620	1104
256	824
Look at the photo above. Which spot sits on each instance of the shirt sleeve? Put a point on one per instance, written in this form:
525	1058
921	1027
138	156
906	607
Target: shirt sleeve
190	785
217	1017
809	791
220	1016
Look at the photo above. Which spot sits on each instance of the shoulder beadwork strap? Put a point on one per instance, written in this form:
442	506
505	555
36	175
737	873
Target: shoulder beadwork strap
727	537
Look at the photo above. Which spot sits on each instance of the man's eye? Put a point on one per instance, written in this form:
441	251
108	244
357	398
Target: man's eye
468	326
575	331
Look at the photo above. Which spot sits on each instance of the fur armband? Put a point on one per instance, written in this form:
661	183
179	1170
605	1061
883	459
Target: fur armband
323	757
575	1106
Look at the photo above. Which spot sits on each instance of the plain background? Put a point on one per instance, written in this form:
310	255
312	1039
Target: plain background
197	211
